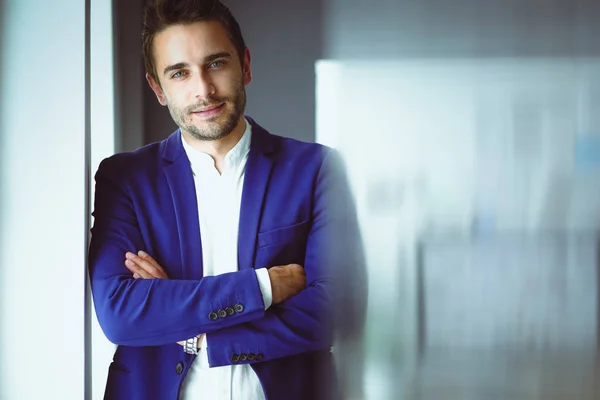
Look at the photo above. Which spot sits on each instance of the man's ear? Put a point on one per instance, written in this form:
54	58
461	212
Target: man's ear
155	86
247	70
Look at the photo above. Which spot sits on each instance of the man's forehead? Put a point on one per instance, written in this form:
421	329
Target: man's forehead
196	40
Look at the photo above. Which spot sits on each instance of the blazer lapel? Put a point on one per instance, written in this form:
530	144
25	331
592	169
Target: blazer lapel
183	192
256	180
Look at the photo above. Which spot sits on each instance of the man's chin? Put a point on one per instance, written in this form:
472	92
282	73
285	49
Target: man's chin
207	136
215	128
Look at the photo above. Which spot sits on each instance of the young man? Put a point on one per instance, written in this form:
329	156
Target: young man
223	258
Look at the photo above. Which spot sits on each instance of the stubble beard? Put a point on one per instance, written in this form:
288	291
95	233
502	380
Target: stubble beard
213	129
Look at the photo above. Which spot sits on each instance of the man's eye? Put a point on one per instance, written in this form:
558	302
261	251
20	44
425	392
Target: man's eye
178	74
217	64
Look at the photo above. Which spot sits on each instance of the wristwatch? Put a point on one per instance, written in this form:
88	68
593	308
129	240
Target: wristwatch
191	345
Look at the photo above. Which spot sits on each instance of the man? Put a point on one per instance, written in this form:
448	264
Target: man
223	257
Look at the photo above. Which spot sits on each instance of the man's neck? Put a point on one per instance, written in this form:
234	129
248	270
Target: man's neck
219	148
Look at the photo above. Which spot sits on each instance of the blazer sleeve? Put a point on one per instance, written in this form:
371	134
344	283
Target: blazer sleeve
334	302
150	312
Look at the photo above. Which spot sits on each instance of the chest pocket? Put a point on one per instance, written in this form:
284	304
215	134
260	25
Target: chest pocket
282	246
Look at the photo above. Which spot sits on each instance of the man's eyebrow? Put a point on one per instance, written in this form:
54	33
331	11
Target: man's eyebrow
212	57
175	67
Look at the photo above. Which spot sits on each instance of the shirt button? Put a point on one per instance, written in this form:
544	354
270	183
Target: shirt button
213	316
238	308
259	357
243	357
222	313
235	358
251	356
230	311
179	368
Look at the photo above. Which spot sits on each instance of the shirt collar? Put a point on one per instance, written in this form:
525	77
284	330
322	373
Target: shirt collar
201	161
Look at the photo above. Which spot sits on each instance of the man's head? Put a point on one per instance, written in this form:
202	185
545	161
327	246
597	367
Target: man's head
197	64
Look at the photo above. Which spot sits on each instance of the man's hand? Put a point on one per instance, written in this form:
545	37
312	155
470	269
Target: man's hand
144	266
286	281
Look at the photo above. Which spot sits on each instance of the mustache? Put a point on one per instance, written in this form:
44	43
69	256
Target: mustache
205	104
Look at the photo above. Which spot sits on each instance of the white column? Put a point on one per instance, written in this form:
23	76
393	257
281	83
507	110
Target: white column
42	199
103	142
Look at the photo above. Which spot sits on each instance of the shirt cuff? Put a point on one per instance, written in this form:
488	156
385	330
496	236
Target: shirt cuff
264	282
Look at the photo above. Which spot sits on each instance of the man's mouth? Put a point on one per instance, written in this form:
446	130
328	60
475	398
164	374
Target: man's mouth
209	111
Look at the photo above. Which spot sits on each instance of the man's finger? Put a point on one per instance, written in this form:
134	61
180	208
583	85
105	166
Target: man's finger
146	266
148	257
148	263
136	269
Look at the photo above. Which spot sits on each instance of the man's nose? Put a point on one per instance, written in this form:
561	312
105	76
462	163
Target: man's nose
204	86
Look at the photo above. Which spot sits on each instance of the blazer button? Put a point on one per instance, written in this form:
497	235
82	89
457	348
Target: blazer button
243	357
238	308
259	357
213	316
251	356
230	311
235	358
179	368
222	313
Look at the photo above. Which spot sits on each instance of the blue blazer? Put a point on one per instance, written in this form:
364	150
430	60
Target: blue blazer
296	208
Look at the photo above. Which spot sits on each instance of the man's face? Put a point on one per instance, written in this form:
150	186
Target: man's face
201	79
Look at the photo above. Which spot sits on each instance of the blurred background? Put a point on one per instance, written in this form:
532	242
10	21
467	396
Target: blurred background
471	133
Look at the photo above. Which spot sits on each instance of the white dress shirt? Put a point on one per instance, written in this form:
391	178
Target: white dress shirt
219	200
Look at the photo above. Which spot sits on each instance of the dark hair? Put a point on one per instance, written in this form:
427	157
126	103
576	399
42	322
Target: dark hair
160	14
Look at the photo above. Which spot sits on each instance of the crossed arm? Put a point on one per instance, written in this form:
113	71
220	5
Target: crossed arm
286	280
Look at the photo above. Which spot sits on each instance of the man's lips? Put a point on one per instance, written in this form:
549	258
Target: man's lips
208	111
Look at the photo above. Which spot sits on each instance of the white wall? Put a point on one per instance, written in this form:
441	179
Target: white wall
43	199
